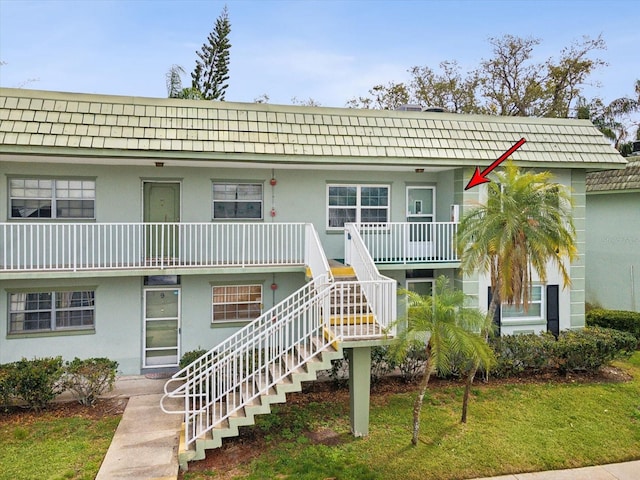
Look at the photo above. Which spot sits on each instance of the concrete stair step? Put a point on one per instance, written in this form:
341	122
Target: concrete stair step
247	408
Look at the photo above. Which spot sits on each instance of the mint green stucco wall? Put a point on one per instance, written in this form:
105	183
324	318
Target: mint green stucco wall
119	316
613	250
298	196
118	332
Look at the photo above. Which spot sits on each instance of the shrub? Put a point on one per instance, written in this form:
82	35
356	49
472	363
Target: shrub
6	387
381	363
190	357
36	382
339	373
521	354
590	348
619	319
412	365
89	378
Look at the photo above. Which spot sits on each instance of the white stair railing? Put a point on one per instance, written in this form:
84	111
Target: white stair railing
252	361
380	291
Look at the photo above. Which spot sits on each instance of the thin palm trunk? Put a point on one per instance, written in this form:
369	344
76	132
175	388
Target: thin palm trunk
467	391
493	306
417	405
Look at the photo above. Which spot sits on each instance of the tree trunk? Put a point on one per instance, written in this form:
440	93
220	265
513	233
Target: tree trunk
467	390
493	306
417	405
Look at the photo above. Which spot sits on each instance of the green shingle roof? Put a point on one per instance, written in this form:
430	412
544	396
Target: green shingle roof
41	122
625	179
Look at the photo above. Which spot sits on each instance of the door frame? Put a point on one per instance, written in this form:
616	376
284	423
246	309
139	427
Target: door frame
423	247
432	281
175	181
156	288
152	252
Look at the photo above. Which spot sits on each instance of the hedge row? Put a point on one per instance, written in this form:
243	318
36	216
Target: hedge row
619	319
583	350
37	382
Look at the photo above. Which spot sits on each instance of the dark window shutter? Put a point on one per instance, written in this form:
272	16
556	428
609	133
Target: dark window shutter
496	315
553	309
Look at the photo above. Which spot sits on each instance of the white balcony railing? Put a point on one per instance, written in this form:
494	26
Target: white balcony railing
100	246
410	242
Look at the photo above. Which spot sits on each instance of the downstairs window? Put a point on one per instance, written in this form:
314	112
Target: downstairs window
236	303
51	311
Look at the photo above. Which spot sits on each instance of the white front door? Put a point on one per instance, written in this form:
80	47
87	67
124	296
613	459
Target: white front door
161	327
421	208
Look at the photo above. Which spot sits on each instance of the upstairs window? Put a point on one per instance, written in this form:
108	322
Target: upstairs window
237	201
48	198
357	204
51	311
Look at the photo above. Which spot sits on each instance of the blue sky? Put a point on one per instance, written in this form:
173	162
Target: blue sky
328	50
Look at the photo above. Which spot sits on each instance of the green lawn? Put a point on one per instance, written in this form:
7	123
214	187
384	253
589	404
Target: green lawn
512	428
53	447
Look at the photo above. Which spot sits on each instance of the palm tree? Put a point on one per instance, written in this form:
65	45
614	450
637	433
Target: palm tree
525	223
449	330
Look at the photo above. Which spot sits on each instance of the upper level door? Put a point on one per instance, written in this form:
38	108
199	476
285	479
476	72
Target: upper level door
421	211
161	205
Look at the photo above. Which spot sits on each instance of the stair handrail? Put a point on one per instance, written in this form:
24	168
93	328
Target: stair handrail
204	364
208	402
315	257
382	303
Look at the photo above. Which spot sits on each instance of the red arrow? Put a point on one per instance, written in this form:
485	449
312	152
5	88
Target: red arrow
480	177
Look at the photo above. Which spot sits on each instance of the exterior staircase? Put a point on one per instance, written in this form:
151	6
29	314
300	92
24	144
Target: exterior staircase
259	364
287	376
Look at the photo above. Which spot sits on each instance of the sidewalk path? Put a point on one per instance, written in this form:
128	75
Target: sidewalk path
613	471
145	445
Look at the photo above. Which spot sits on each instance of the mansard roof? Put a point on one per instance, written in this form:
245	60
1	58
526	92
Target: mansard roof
70	124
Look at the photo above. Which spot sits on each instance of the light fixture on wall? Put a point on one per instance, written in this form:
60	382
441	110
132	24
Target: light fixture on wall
273	182
419	170
159	164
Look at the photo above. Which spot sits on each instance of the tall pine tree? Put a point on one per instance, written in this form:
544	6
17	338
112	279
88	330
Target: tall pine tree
211	73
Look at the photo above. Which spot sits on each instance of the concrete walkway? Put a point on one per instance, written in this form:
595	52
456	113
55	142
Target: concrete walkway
613	471
145	445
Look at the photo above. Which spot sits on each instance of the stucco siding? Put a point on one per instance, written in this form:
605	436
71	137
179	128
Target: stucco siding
613	250
118	325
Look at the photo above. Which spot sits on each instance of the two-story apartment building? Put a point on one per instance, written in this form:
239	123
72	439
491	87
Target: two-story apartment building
139	228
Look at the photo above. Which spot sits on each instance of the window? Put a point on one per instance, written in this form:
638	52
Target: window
535	309
51	311
237	303
237	201
357	204
48	198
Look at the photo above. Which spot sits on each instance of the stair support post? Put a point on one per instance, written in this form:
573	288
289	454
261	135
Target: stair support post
359	389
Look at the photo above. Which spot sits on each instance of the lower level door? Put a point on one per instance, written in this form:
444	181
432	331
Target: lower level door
161	327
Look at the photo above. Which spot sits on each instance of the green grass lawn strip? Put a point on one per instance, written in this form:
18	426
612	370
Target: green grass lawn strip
512	428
